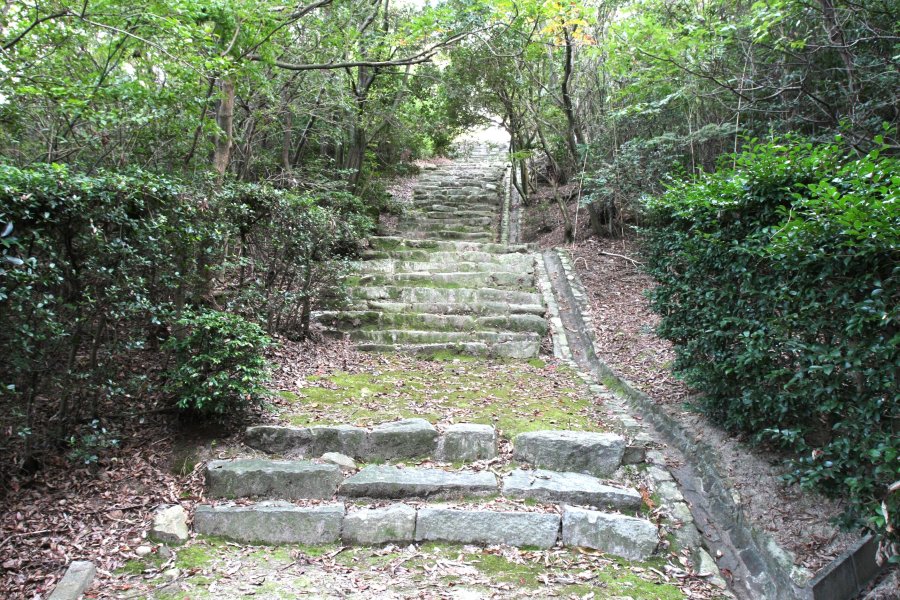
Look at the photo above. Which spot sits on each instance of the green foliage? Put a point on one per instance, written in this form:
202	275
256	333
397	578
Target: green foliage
95	269
87	446
219	368
779	283
292	252
92	266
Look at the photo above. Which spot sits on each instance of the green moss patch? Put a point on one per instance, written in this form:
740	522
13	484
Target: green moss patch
515	395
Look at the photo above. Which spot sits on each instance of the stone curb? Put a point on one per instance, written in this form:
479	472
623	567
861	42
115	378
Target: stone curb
637	451
77	579
842	579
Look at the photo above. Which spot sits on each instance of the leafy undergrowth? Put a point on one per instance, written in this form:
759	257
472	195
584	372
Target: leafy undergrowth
212	568
515	396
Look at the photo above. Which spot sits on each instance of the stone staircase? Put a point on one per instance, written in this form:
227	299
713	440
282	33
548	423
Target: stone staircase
444	279
441	280
318	496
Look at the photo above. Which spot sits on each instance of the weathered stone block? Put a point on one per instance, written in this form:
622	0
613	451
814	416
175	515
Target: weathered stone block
409	438
308	442
77	579
283	479
170	525
271	523
344	462
395	523
569	488
387	481
467	442
628	537
539	530
594	453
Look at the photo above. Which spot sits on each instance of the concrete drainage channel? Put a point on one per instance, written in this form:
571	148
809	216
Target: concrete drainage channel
759	567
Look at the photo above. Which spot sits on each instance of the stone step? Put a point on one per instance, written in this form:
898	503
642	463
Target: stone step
272	479
390	482
598	454
461	215
524	263
283	523
427	224
569	488
512	349
401	336
437	256
445	295
399	243
456	225
438	205
355	319
407	439
534	529
505	280
629	537
447	234
271	523
454	308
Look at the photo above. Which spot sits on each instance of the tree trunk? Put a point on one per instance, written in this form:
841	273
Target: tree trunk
225	136
573	133
287	142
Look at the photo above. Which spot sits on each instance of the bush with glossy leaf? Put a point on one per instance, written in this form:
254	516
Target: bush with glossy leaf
219	367
779	283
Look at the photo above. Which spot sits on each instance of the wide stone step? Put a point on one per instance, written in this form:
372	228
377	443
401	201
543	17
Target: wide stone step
517	349
271	523
525	264
437	256
569	488
260	478
454	308
284	523
352	320
460	226
445	295
448	234
461	215
496	280
401	336
399	243
443	206
390	482
406	439
540	530
594	453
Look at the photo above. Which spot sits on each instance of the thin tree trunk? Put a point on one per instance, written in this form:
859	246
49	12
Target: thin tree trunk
225	136
573	133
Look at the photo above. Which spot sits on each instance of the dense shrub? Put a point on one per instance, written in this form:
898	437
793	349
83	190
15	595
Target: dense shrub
779	282
96	269
92	267
219	366
290	252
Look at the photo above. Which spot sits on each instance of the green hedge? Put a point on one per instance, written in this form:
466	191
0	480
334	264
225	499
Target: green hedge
779	282
97	268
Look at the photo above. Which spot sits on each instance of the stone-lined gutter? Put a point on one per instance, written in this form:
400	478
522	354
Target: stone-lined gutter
505	208
759	567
